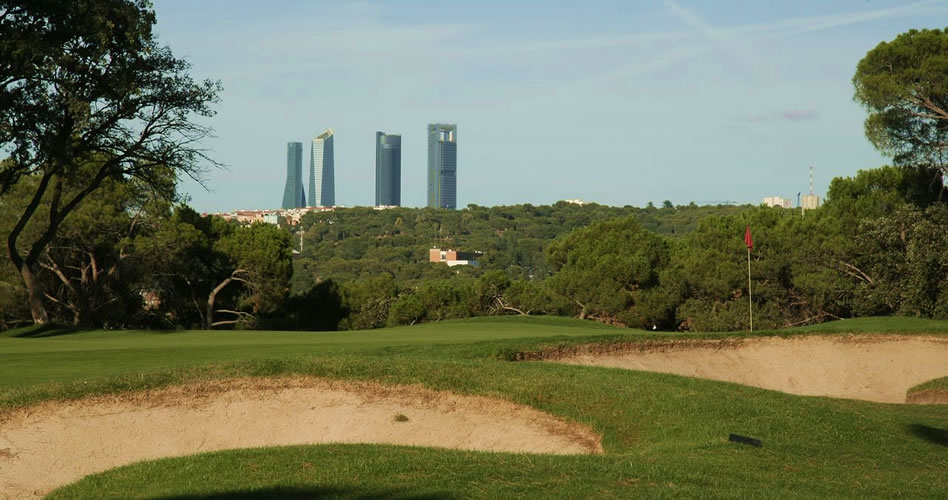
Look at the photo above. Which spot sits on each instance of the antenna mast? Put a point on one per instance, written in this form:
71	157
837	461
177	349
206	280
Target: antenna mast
811	180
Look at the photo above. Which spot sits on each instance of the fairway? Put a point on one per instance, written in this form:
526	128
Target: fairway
661	434
69	356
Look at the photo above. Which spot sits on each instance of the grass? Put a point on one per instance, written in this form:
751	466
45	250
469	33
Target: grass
939	385
664	435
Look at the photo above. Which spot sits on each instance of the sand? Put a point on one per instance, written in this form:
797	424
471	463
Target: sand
55	443
867	367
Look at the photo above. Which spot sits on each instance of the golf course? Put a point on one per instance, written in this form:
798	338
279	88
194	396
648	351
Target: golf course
485	407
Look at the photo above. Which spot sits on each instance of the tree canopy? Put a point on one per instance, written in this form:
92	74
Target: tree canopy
88	95
904	86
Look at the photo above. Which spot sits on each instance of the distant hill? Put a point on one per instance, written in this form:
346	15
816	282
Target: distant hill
361	242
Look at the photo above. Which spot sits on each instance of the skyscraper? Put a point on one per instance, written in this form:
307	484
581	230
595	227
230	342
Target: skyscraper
388	170
322	182
442	166
293	195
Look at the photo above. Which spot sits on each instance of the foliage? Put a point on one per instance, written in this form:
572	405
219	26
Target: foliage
906	255
368	302
607	268
903	84
356	243
256	261
89	271
88	96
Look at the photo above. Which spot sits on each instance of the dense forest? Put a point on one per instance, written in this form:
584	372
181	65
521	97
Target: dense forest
878	246
361	242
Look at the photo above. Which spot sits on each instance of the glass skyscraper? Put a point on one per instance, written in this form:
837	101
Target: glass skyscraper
293	195
442	166
322	183
388	170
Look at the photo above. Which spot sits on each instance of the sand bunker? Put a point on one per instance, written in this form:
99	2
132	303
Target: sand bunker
55	443
869	367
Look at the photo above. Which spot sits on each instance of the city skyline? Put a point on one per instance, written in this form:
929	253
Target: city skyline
614	102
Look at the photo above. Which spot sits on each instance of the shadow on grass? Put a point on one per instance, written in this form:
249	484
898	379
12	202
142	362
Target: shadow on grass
40	331
300	493
930	434
44	331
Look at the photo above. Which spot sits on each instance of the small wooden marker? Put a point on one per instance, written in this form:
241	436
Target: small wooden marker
734	438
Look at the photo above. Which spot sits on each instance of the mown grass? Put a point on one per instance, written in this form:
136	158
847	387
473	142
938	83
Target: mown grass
664	435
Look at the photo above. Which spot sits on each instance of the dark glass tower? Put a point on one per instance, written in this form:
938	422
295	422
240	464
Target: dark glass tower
322	179
442	166
388	170
293	194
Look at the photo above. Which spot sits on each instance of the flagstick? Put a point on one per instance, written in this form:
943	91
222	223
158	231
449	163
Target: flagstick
750	293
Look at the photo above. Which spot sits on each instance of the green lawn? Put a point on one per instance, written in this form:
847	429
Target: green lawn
939	384
664	435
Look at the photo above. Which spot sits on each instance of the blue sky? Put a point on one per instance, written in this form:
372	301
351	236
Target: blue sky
618	102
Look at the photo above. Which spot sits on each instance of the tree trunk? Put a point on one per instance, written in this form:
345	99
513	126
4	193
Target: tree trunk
209	318
209	315
35	290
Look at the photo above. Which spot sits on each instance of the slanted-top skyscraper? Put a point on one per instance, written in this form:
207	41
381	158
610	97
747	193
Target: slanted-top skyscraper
322	182
388	170
293	195
442	166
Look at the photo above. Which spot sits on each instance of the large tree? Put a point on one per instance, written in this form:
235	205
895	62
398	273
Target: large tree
86	82
904	86
608	269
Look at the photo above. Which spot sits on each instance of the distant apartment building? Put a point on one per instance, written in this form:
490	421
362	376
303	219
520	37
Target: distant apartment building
322	179
388	170
453	257
442	166
810	202
776	201
293	195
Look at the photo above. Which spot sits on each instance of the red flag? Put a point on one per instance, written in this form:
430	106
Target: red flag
747	238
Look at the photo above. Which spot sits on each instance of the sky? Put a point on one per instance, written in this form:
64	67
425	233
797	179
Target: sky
616	102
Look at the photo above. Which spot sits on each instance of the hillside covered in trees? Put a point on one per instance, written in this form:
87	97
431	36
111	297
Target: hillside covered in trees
361	242
875	248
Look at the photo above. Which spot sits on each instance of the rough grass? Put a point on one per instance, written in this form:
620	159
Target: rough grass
939	384
664	435
931	392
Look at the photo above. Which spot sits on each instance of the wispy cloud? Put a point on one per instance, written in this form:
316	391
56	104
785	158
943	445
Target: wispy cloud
791	115
730	37
799	25
798	115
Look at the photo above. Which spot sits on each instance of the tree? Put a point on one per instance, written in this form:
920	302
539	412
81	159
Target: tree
877	192
180	262
90	263
904	86
87	83
368	301
606	268
906	253
259	257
